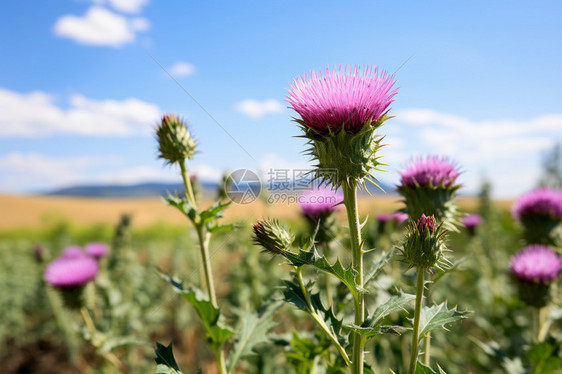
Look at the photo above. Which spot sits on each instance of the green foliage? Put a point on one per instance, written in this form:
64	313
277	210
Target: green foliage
545	357
422	369
165	361
218	332
437	316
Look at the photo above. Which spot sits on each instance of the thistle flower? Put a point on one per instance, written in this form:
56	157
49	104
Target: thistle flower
536	263
73	251
318	202
273	237
470	223
347	99
340	112
428	186
534	269
71	272
174	141
424	245
97	250
540	212
398	217
539	202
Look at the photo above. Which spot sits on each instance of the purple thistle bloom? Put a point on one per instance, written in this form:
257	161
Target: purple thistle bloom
341	99
536	263
384	217
398	217
97	250
426	223
71	272
431	171
471	221
73	251
539	202
317	202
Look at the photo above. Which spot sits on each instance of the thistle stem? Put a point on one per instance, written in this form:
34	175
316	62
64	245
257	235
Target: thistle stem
350	202
187	183
417	315
542	324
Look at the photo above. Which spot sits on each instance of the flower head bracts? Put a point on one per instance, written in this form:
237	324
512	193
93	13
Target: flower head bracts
347	99
425	244
74	272
340	112
272	236
428	186
536	263
539	202
174	140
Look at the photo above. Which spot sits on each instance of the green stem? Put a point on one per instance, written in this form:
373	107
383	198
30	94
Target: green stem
328	279
542	324
426	349
187	184
109	356
417	315
350	201
318	319
204	239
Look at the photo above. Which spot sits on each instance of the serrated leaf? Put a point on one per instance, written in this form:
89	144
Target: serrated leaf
372	327
253	331
217	330
437	316
166	363
181	204
544	357
377	265
213	212
422	369
314	259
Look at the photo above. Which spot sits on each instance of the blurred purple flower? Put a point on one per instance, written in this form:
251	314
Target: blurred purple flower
73	251
71	272
432	171
538	202
398	217
319	201
341	99
97	250
536	263
471	221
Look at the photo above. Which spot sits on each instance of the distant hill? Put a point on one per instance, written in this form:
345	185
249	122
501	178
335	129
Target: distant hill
161	189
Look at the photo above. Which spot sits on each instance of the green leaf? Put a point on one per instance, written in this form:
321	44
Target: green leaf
449	269
217	330
314	259
166	363
213	212
437	316
253	331
372	326
422	369
544	357
181	204
377	266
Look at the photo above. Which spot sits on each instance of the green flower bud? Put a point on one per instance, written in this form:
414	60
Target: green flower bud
424	245
273	237
175	142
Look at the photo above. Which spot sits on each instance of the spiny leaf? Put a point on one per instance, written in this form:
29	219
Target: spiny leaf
166	363
422	369
377	265
181	204
213	212
253	331
437	316
314	259
217	330
450	268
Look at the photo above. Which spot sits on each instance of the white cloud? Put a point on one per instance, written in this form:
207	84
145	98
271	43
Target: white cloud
182	69
139	174
37	114
100	27
257	109
206	173
504	150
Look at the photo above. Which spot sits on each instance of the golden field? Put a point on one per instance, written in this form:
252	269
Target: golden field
35	211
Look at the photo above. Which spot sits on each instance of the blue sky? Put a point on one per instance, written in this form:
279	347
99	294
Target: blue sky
82	84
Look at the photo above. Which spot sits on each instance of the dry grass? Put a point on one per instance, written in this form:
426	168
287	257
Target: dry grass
35	211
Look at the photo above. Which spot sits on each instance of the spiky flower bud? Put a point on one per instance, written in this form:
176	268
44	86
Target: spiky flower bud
428	187
340	112
175	144
272	236
424	245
